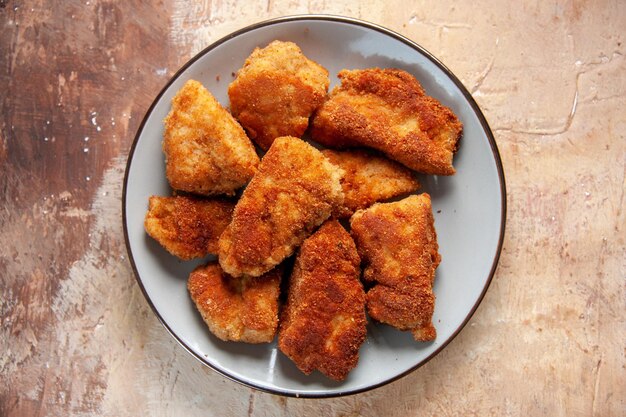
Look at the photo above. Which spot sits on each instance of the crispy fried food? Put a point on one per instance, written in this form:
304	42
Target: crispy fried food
369	178
239	309
388	110
323	323
276	92
295	190
206	151
398	244
188	227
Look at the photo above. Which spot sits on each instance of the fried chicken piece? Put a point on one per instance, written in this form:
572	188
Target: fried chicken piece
188	227
295	190
323	323
388	110
369	178
206	151
238	309
276	92
398	244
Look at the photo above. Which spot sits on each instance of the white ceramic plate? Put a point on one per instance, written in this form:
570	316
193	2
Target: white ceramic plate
469	209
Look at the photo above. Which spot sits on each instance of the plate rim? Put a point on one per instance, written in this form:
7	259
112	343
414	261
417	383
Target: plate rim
467	96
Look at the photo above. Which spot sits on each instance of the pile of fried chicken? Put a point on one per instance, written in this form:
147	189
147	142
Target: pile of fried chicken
376	130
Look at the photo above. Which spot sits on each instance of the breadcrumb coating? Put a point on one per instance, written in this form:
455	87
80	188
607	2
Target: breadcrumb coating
369	178
323	323
276	92
398	245
295	191
238	309
388	110
188	227
206	151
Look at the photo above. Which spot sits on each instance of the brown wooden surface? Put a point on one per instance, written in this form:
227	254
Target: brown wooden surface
77	336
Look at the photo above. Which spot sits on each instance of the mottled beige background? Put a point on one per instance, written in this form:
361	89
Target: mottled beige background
77	337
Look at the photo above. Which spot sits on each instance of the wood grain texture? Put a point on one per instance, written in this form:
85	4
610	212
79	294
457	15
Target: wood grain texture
78	339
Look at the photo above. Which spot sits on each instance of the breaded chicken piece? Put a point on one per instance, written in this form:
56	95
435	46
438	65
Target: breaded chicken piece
387	109
398	244
295	190
188	227
238	309
369	178
276	92
206	151
323	323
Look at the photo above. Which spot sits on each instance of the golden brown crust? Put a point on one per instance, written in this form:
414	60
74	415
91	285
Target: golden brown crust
323	323
295	190
206	150
369	178
276	92
188	227
387	109
238	309
398	244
